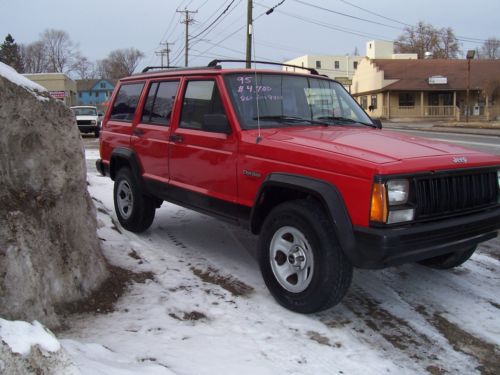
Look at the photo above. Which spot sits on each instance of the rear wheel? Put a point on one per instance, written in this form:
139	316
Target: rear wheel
300	259
450	260
134	210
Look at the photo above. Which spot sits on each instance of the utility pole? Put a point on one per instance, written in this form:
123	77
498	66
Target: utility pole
249	34
187	21
165	51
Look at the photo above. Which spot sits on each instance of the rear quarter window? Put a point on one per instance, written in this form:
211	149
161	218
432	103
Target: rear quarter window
126	101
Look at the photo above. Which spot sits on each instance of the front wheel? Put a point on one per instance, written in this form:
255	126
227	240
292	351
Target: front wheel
300	258
134	210
450	260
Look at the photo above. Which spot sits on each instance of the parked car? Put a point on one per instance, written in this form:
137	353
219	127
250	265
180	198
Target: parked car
295	159
88	119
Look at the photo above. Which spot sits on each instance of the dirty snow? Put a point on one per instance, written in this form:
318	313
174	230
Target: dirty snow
10	73
207	310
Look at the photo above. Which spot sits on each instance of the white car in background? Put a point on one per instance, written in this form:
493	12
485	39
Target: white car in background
88	119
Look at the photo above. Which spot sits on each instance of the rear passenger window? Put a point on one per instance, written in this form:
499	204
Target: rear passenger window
158	107
126	102
201	98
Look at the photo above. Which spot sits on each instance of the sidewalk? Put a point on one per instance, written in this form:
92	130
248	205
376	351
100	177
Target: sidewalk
478	128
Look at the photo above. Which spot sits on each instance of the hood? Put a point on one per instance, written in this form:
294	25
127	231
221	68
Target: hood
376	146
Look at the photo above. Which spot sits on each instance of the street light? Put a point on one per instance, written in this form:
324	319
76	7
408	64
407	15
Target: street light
470	55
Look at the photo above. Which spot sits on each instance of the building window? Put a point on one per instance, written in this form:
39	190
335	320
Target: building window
103	85
373	102
407	99
364	102
337	65
96	94
79	94
355	64
318	64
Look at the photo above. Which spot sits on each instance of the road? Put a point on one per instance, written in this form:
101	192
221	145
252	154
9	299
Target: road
484	143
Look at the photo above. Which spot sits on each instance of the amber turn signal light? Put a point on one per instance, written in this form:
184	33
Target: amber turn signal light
378	209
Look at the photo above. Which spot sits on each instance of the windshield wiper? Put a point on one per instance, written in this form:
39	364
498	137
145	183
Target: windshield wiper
283	118
346	119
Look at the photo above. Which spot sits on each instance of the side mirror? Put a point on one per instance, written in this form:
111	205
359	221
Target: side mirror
100	114
216	123
377	123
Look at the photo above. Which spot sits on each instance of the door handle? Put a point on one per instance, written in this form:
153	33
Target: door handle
176	138
138	132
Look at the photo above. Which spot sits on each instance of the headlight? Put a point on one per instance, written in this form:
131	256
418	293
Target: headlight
397	191
93	122
389	202
498	178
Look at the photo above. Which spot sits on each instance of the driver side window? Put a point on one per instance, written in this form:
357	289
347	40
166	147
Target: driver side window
201	98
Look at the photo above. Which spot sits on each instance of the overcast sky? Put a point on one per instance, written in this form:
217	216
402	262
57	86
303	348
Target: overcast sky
293	29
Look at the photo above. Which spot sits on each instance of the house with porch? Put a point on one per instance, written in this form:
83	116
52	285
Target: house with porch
429	89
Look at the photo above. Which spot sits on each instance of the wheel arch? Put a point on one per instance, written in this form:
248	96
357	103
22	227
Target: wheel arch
124	157
282	187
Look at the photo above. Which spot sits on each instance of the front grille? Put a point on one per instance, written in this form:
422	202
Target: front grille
84	122
453	193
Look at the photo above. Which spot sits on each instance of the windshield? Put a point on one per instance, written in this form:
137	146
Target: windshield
287	100
84	111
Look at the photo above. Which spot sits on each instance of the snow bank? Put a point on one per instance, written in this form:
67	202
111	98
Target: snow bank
21	336
10	73
32	349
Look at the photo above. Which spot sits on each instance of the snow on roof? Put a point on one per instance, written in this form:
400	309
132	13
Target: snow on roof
21	336
16	78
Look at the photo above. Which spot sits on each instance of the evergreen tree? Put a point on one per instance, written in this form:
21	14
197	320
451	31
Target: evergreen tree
10	54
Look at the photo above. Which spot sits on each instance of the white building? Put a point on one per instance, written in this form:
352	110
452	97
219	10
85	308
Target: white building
343	67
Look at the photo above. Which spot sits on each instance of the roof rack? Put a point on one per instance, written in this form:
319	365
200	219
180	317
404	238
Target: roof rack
213	64
177	68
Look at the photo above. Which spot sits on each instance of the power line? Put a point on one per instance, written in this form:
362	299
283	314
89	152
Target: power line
345	14
376	14
214	21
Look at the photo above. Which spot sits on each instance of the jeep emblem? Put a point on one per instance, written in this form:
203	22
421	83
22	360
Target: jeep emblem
460	160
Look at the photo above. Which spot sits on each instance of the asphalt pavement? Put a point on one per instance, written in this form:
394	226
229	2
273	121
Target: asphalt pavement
478	128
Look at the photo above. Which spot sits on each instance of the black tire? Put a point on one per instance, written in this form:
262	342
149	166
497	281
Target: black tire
134	210
310	248
450	260
96	133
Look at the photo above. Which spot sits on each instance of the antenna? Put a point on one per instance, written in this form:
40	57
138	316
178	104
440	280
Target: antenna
259	135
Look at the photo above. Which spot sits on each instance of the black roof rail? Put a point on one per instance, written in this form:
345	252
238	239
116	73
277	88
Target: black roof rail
148	68
176	68
214	63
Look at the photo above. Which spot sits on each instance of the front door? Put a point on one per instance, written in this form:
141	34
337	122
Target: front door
203	160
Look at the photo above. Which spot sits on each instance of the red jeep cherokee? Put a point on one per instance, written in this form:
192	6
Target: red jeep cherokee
295	159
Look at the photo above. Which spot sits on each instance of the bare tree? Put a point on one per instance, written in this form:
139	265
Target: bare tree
119	63
490	49
60	50
422	38
34	57
82	68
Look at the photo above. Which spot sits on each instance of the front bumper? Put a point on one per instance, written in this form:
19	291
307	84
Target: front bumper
102	167
383	247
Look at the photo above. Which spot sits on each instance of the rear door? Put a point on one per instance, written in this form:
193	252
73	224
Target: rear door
121	116
203	160
150	137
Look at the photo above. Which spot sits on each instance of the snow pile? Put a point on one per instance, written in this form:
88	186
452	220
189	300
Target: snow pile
49	251
31	348
9	73
21	336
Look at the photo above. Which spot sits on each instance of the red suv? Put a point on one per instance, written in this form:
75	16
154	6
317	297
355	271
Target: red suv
295	159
